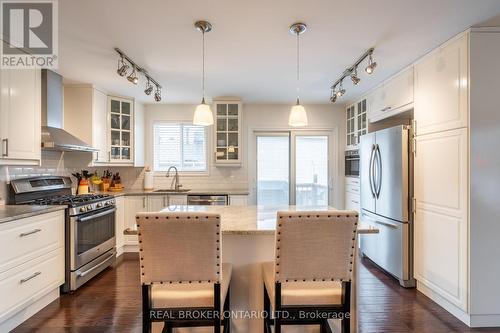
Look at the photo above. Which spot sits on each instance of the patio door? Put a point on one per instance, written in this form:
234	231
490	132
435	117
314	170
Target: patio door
293	168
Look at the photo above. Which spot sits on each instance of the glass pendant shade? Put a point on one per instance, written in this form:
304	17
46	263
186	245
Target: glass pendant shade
203	115
298	116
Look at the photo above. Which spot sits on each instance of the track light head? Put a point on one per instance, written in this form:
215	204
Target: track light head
133	77
157	94
371	65
341	90
333	96
122	67
354	77
149	88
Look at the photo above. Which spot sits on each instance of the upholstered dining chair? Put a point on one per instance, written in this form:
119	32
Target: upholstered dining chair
184	283
310	280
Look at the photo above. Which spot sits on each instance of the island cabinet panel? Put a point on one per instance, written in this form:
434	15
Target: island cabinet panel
120	224
441	88
441	214
238	200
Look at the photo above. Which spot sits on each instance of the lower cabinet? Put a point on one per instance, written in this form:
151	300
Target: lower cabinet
31	266
120	224
352	194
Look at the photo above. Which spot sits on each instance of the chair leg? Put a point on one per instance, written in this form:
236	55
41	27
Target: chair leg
146	322
267	310
346	325
166	328
227	307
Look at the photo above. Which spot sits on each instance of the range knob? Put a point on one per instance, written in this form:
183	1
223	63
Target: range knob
99	205
82	209
89	207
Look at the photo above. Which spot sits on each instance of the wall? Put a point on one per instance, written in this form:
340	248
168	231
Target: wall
255	117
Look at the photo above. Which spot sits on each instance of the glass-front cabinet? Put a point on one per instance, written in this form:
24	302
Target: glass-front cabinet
121	120
227	132
356	123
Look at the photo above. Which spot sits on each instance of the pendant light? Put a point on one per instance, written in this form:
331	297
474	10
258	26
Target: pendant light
203	114
298	115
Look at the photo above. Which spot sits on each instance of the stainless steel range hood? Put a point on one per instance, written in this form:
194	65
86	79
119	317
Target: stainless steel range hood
54	137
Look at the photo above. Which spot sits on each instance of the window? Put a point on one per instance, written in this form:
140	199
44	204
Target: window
181	145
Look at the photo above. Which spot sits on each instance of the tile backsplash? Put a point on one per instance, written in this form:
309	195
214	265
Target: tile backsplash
64	164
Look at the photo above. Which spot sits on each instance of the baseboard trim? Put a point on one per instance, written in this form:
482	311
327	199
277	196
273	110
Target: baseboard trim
490	320
444	303
29	311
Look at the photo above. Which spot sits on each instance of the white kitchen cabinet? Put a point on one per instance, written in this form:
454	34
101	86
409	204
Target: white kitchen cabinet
441	88
31	266
356	124
392	97
86	117
227	132
441	216
352	194
120	224
121	130
238	200
157	202
20	116
176	199
133	205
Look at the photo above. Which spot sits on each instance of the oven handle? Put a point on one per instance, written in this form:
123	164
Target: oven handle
82	274
93	216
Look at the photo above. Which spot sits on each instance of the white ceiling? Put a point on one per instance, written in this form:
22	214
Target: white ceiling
250	52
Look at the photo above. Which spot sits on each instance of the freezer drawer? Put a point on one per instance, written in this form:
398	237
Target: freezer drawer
390	248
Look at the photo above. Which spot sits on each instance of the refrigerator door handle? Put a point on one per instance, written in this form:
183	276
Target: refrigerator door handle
378	158
370	173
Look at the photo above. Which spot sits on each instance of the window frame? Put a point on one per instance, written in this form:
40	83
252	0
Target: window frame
156	173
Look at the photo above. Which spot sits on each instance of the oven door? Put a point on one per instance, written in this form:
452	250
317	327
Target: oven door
92	235
352	166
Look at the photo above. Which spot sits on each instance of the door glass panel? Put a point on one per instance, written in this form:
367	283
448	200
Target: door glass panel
221	153
125	138
115	106
232	109
221	109
94	232
232	139
221	140
273	170
115	138
311	165
221	124
232	124
125	108
115	153
125	153
126	122
115	121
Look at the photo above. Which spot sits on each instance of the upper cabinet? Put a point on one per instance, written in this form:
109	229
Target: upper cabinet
121	130
391	97
441	101
105	122
20	116
356	115
227	132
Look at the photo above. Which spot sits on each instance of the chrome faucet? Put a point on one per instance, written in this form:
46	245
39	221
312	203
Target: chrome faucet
175	182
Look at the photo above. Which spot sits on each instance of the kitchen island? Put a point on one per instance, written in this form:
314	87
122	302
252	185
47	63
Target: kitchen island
248	240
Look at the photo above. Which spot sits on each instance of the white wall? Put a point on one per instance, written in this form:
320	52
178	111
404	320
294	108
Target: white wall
255	117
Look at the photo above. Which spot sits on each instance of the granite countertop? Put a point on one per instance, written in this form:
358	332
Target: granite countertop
251	220
14	212
126	192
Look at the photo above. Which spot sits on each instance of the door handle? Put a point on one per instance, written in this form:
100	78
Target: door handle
6	150
97	156
370	169
24	234
34	275
385	224
379	170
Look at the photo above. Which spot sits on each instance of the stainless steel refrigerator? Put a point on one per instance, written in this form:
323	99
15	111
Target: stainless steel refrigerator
386	167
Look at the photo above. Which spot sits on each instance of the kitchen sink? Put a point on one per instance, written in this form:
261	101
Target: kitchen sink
173	190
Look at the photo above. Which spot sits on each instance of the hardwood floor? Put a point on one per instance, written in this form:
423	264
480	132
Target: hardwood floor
111	302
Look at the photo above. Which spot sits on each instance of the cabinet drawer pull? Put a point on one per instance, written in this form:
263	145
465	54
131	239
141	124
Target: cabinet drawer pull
356	202
6	150
34	275
24	234
386	108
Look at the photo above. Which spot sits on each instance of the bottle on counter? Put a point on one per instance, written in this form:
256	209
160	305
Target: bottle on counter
148	179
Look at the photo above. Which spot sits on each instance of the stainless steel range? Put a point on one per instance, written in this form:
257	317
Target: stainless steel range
90	224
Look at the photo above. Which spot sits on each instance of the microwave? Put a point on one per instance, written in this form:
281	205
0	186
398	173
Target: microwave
352	163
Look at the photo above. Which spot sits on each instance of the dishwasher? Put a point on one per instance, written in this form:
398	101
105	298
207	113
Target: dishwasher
207	200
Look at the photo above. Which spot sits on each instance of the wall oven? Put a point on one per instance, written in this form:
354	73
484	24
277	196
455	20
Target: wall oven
352	163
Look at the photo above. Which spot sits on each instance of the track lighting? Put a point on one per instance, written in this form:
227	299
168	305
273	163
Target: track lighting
371	65
124	63
354	76
157	94
149	88
352	72
341	90
122	67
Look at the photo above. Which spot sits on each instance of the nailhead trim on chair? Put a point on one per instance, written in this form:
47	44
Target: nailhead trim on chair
180	282
277	253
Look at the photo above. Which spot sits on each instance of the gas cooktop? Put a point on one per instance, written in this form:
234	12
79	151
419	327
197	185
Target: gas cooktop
71	200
